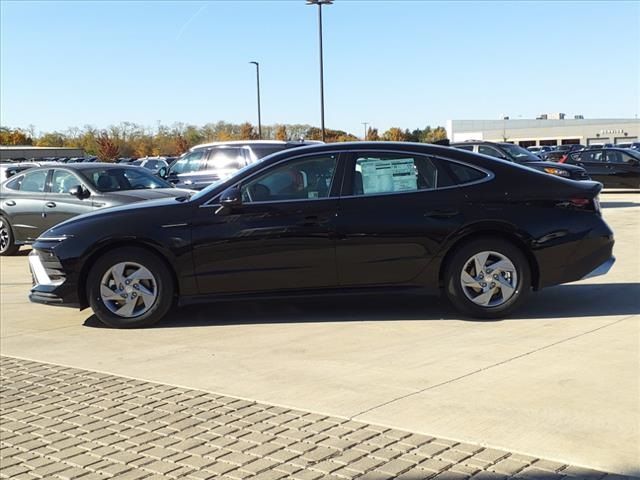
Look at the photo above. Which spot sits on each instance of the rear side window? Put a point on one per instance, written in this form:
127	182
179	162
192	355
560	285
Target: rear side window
226	158
34	181
465	147
465	174
492	152
263	151
393	173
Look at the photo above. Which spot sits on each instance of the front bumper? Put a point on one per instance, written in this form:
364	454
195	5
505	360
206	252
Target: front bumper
50	287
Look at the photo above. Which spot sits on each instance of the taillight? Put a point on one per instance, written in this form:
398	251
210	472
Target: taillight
580	202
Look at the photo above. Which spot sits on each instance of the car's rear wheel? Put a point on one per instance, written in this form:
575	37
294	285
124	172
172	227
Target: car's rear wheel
7	241
130	288
487	278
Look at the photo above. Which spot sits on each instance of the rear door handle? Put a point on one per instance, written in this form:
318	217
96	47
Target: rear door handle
441	213
50	204
10	203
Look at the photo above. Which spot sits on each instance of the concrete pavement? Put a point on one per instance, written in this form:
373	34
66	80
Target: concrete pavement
557	381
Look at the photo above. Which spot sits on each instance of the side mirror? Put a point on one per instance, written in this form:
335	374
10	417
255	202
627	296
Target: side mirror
163	172
230	198
79	192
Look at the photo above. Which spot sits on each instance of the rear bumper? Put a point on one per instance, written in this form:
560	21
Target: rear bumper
602	269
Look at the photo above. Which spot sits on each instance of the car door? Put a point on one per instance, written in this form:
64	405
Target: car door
24	204
623	169
394	215
60	205
594	163
280	238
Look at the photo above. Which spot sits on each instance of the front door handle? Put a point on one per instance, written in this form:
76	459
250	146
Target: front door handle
441	213
10	203
50	204
309	221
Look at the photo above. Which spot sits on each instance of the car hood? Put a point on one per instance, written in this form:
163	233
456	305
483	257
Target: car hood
113	212
127	196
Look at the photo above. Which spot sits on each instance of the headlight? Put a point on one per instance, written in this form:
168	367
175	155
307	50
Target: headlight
556	171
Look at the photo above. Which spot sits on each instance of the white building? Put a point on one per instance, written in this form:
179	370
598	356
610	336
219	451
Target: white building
551	129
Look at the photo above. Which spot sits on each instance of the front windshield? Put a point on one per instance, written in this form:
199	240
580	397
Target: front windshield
519	154
122	179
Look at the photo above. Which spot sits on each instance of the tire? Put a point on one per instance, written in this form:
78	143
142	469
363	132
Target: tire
143	301
7	240
488	293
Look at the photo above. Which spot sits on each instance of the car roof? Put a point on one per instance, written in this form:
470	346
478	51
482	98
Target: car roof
250	143
477	142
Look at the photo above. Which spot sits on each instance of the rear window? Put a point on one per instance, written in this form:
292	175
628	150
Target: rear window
465	174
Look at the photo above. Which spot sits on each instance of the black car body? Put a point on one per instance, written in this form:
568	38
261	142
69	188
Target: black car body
517	154
42	197
613	167
348	217
212	162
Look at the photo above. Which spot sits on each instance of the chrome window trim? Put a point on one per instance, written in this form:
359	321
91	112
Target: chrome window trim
489	176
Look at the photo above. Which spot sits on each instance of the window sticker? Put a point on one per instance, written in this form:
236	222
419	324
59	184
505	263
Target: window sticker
383	176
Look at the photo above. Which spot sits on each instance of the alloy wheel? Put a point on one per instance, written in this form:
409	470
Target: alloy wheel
5	236
489	279
128	289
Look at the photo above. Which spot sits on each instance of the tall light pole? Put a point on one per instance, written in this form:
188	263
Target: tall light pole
365	130
258	87
320	3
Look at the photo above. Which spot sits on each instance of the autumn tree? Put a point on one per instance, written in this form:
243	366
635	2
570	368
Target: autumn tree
394	134
181	145
281	133
53	139
247	132
107	149
372	135
14	137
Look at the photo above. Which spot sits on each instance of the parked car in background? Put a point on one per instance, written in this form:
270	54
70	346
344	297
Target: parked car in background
155	164
517	154
596	146
39	198
345	217
613	167
572	147
9	169
212	162
631	145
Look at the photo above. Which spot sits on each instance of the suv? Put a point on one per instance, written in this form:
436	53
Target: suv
155	164
613	167
517	154
211	162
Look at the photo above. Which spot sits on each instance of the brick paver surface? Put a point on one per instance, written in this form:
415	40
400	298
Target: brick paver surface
60	422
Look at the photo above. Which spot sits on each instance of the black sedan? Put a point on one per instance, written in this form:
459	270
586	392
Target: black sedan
613	167
517	154
354	217
40	198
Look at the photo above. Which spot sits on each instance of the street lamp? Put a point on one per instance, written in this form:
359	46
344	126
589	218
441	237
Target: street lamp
258	88
365	130
320	3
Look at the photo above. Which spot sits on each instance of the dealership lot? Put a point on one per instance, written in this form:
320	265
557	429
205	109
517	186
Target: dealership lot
559	381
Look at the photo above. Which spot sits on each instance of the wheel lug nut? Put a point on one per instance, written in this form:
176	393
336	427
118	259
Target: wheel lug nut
495	276
483	284
493	284
489	270
134	295
136	286
127	282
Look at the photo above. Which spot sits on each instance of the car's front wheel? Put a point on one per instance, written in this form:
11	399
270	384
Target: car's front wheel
7	241
487	278
130	288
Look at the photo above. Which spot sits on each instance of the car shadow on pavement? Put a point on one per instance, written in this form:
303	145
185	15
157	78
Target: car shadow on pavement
619	204
564	301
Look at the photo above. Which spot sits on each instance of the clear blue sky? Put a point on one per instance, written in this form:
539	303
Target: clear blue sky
391	63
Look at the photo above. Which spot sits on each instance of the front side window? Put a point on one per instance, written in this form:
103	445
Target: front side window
492	152
34	181
630	157
191	162
119	179
299	179
519	154
614	157
592	156
63	181
392	173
